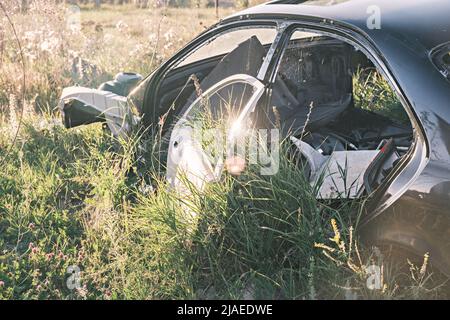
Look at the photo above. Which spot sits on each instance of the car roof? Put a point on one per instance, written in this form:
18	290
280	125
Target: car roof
423	22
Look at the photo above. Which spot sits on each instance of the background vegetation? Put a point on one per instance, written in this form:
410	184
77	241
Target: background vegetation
69	198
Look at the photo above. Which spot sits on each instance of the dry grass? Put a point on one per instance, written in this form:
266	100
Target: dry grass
113	39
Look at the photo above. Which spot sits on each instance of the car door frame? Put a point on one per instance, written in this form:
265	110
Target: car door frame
415	161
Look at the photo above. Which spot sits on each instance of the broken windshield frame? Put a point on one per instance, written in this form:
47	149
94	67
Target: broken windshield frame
222	43
147	91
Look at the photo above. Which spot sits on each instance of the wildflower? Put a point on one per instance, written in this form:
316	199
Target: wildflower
198	89
83	291
108	38
323	246
350	244
121	26
12	112
353	266
80	256
342	246
31	226
153	38
2	283
107	294
138	48
61	255
168	45
168	35
308	116
337	234
50	43
49	256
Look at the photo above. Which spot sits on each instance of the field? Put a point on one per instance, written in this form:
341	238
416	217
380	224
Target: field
77	223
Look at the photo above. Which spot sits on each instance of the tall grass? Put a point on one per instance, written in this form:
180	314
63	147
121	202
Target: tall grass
70	198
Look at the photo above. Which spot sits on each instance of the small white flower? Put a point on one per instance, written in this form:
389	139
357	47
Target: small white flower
121	26
168	45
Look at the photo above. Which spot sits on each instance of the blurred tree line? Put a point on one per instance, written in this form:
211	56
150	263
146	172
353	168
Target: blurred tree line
155	3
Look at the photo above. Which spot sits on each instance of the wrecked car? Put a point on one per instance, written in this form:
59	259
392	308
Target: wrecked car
308	67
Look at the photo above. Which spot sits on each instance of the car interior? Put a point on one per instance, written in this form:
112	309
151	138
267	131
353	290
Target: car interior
346	149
